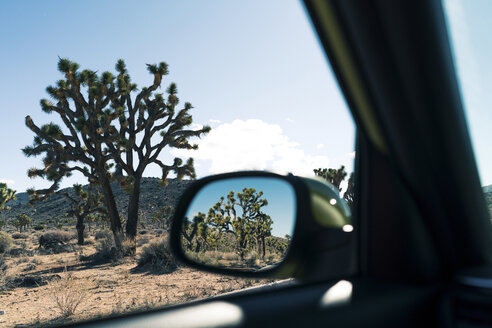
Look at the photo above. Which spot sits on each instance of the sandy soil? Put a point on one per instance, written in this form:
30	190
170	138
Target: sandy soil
105	289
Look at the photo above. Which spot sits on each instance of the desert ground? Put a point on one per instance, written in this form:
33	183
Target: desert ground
43	287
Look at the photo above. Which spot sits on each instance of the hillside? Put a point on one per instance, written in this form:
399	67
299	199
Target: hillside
152	197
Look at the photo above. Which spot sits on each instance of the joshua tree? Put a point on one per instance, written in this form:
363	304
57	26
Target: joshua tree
6	194
190	229
333	176
85	203
241	214
349	193
262	227
162	217
21	222
111	128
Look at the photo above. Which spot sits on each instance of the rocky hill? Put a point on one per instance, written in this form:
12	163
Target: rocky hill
152	197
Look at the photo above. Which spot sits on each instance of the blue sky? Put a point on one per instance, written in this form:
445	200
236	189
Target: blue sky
279	194
470	26
253	70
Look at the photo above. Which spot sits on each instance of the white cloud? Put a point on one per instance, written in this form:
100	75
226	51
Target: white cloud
252	145
7	181
351	155
196	126
214	121
320	146
290	120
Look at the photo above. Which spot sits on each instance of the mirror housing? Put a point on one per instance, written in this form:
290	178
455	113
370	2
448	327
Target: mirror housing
321	225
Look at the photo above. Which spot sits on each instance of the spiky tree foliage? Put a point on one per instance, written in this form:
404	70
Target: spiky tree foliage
21	222
162	217
85	202
190	228
350	192
6	195
262	228
336	177
333	176
241	214
111	128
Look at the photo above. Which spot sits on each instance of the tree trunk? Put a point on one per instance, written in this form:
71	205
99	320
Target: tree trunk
80	229
263	247
114	217
132	221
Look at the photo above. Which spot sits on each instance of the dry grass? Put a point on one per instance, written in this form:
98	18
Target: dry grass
89	290
68	293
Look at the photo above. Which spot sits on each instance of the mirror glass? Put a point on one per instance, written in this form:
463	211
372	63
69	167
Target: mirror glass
240	223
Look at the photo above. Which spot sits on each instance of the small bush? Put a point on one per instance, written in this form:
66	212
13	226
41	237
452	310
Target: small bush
142	240
39	227
53	238
158	256
159	232
103	234
106	250
89	241
143	232
19	235
5	242
76	234
231	257
67	294
4	279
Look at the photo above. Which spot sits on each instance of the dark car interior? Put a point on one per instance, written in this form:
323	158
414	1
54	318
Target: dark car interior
420	251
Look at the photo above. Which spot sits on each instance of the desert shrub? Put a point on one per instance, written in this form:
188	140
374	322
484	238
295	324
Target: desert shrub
29	267
67	294
50	239
143	232
231	256
158	256
103	234
106	250
5	242
142	240
75	235
159	232
3	273
89	241
39	227
19	235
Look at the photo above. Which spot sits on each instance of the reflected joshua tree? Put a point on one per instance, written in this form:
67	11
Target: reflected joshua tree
234	227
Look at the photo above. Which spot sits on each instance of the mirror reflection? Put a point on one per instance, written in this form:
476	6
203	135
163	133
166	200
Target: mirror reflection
243	223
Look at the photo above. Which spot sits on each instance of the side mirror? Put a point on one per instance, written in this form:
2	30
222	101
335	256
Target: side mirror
257	224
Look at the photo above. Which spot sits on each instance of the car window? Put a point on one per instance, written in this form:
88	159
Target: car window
468	25
104	104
